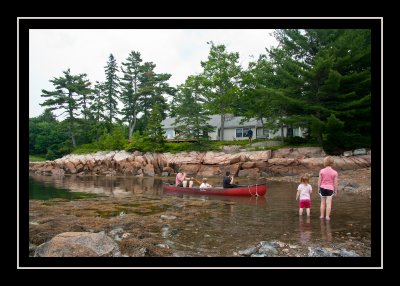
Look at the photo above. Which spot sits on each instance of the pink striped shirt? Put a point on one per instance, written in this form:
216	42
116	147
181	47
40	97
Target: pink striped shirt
179	178
327	178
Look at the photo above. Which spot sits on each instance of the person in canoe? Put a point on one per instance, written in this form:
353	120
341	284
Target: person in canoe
228	181
181	179
204	185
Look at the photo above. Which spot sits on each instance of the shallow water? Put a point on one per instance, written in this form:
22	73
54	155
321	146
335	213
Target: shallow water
234	223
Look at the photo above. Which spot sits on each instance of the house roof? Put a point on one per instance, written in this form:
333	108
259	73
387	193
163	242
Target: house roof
215	120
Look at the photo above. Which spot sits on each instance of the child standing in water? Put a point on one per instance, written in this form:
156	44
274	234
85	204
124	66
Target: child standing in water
304	191
327	186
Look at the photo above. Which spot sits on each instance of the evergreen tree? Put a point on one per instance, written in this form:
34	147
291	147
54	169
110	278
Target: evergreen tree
66	97
188	108
97	109
83	88
325	72
152	89
111	89
130	89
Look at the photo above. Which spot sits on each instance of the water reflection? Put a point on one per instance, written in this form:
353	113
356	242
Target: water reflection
305	229
326	232
238	222
103	185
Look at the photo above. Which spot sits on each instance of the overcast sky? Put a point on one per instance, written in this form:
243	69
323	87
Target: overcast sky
177	52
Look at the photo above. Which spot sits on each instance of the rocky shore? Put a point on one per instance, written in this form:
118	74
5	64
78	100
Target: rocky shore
282	162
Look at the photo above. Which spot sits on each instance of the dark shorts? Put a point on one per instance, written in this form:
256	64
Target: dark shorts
305	204
180	185
325	192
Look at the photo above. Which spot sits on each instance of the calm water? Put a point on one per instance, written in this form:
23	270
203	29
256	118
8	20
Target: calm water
242	223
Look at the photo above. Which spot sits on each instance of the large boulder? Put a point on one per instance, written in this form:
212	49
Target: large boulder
148	170
209	171
78	244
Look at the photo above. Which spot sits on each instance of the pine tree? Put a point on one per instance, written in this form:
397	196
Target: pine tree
111	89
130	89
66	97
152	89
324	73
188	108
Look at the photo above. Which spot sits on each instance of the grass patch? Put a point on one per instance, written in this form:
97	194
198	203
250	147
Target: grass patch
37	158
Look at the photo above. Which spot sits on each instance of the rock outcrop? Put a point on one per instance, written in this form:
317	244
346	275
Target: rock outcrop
78	244
285	161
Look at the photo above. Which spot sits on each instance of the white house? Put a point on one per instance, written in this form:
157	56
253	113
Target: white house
234	130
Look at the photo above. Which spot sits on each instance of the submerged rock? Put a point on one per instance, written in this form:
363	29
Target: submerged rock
78	244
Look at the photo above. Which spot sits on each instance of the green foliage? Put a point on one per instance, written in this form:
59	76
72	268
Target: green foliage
50	155
87	148
295	141
111	87
175	147
152	89
335	136
130	89
229	143
219	81
141	143
114	141
45	133
188	108
37	158
69	95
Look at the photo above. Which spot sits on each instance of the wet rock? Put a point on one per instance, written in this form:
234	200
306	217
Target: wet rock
168	217
361	151
248	251
258	255
348	153
267	248
162	245
319	252
78	244
347	253
32	249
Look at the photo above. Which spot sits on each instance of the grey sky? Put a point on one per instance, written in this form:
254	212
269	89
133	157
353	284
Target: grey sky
177	52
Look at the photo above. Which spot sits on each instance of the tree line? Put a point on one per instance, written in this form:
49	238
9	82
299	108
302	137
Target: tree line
319	79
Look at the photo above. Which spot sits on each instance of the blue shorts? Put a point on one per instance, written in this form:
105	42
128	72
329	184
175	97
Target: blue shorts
325	192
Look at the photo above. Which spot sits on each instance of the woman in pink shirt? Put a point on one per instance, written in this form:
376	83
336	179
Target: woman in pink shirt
181	179
327	186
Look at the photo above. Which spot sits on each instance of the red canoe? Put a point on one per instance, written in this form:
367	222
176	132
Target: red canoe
252	190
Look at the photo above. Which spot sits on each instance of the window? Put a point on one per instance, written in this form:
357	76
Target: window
265	133
241	132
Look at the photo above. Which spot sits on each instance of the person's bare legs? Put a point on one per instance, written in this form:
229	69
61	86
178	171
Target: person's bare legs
190	184
300	211
328	207
322	207
308	211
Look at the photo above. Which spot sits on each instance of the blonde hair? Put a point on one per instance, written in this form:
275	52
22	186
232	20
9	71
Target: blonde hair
304	179
328	161
204	180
